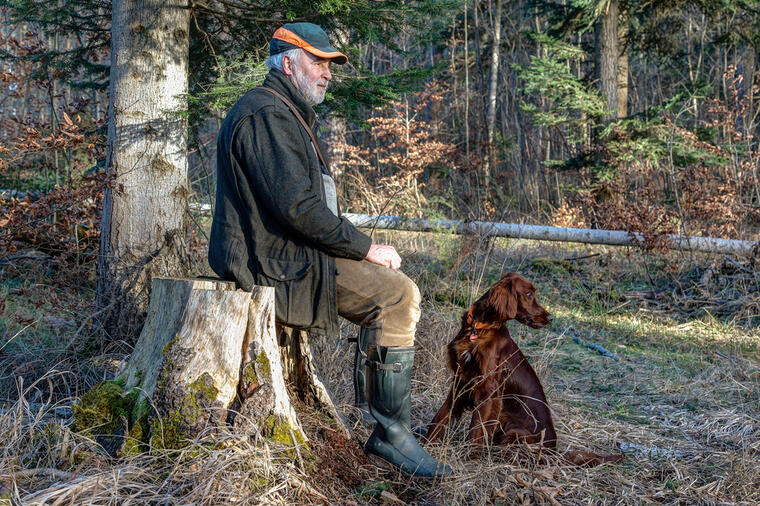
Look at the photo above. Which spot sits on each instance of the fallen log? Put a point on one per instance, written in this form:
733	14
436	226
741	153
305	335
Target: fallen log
561	234
208	356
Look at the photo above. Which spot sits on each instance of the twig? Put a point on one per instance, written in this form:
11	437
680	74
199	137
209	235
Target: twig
730	359
6	343
298	450
571	259
598	348
89	318
737	265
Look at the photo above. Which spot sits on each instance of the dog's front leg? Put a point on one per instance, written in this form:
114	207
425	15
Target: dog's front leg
485	417
443	417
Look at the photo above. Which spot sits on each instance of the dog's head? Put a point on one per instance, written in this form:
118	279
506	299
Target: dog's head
512	298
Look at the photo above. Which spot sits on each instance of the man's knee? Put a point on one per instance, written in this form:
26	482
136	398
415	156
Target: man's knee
400	323
412	298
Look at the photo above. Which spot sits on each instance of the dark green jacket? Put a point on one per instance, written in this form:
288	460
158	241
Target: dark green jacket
271	225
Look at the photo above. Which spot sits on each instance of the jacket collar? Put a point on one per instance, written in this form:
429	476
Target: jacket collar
280	82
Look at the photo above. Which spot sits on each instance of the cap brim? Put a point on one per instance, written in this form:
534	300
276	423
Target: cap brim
334	55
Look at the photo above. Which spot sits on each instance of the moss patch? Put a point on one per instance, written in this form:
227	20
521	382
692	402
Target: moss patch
280	431
264	367
135	442
249	373
104	409
177	426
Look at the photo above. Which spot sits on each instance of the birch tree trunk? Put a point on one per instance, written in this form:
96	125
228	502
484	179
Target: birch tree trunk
143	221
491	114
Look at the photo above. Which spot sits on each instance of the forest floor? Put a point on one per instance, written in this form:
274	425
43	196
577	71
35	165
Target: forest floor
682	403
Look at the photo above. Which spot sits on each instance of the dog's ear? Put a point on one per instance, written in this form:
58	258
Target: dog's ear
502	298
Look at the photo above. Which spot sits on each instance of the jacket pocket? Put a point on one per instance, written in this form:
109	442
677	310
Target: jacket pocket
284	270
294	294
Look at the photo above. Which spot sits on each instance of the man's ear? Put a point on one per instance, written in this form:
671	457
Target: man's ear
503	300
287	62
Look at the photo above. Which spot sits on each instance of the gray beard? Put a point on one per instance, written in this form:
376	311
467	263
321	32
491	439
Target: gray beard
311	93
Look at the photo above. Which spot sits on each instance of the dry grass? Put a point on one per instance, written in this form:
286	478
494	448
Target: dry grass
682	403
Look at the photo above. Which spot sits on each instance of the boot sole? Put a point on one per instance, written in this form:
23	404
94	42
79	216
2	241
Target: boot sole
385	465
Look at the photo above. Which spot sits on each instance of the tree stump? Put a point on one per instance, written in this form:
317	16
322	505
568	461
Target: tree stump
208	355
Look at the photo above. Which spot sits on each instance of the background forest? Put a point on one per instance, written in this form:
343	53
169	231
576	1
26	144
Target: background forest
611	114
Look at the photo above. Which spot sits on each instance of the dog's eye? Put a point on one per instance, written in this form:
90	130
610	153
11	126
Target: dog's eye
529	295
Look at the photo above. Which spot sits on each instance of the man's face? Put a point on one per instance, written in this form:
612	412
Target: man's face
310	75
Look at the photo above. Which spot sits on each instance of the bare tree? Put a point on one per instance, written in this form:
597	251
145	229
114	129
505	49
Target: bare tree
143	222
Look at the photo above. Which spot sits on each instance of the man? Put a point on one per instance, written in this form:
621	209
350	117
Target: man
277	223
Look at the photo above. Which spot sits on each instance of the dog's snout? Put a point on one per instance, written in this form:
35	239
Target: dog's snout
549	318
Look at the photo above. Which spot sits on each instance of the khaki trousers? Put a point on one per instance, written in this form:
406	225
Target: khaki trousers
379	299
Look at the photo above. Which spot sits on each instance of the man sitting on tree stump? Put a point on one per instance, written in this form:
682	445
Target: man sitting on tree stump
277	223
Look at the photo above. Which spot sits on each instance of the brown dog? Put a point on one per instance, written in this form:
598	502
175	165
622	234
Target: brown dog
493	377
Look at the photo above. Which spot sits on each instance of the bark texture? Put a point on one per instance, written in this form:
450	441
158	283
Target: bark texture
301	373
622	67
143	221
494	75
607	55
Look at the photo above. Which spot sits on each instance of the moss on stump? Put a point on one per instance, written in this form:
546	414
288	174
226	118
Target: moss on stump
181	422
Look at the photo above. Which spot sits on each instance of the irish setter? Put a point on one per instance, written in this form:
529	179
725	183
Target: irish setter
493	377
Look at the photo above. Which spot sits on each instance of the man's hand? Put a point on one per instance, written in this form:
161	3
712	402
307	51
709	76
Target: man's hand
382	254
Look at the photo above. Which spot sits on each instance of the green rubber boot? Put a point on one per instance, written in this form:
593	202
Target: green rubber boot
389	386
360	376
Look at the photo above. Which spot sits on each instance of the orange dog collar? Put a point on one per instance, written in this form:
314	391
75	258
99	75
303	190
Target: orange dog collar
476	325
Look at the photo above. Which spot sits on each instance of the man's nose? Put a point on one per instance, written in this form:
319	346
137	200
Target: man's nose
326	74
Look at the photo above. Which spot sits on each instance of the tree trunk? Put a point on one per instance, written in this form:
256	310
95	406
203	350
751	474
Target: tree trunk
491	115
335	138
301	374
208	356
143	221
622	68
606	50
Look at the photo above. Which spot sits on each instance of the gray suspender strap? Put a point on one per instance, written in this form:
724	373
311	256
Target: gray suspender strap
300	120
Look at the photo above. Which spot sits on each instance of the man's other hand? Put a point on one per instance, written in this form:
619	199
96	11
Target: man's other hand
382	254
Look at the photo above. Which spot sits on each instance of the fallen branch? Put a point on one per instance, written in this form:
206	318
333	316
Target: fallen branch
730	359
560	234
599	349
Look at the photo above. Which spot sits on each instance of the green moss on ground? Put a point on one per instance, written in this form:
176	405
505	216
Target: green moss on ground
280	431
104	409
135	443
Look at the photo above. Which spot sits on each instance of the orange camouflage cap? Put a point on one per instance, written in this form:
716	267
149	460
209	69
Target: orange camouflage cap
308	37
